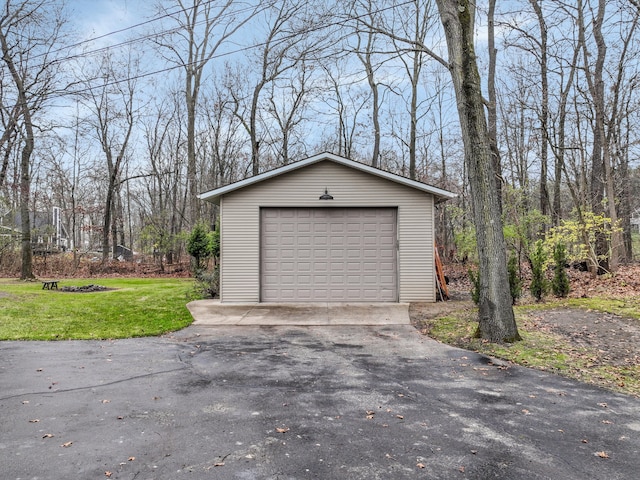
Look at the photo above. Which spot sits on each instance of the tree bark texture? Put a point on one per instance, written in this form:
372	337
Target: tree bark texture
26	270
492	109
599	154
496	317
366	60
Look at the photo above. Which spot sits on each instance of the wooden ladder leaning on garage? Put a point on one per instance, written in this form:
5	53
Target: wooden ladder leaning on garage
441	283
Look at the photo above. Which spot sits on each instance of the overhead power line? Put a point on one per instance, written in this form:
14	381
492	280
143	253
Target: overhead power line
183	65
126	29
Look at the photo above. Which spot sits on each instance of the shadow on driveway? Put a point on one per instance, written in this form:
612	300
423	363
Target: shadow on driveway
378	402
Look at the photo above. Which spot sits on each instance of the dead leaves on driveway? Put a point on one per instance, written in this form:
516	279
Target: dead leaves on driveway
370	414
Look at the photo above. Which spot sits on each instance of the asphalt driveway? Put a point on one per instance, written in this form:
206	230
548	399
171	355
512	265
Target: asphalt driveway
238	402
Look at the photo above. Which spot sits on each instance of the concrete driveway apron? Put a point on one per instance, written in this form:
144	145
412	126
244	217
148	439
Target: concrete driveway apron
291	402
212	313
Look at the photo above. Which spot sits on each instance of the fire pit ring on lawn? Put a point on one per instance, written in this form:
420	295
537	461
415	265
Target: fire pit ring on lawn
84	288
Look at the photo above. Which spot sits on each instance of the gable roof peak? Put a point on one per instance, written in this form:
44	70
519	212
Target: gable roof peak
214	195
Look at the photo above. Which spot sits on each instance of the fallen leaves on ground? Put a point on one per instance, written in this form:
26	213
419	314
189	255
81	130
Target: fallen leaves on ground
625	282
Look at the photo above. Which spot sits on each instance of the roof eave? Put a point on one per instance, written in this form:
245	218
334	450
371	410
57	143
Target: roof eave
214	195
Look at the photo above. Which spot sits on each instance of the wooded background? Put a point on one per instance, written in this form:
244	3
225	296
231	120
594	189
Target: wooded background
122	130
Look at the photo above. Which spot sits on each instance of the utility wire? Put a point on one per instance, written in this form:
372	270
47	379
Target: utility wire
125	29
293	35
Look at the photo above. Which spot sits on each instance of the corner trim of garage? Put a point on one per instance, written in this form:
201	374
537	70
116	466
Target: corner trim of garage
214	313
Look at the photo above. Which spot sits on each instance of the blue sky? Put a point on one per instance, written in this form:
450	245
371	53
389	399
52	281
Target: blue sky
99	17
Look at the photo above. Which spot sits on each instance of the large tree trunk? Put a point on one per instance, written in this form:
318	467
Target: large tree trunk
253	128
492	109
107	219
26	271
496	318
600	166
191	95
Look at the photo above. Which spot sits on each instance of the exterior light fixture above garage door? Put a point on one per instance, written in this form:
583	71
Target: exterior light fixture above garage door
325	195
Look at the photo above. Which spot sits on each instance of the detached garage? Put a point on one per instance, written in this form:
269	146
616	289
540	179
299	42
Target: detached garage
327	229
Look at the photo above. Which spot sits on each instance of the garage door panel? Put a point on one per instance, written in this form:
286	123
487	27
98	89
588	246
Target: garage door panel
337	241
370	253
320	242
328	254
304	267
320	268
305	295
270	266
304	255
337	268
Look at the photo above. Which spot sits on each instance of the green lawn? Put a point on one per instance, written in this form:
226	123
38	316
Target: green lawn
135	307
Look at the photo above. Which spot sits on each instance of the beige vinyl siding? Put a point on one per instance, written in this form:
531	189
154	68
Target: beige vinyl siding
240	233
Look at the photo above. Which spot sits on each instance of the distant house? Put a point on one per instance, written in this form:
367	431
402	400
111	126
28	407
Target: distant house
48	233
7	233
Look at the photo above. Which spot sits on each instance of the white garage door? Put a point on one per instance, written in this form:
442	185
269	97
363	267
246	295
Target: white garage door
328	255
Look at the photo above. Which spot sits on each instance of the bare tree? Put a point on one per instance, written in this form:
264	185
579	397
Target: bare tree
226	145
496	317
30	32
604	90
281	50
203	27
163	207
415	20
600	154
492	105
113	117
365	51
287	100
556	134
345	102
9	115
